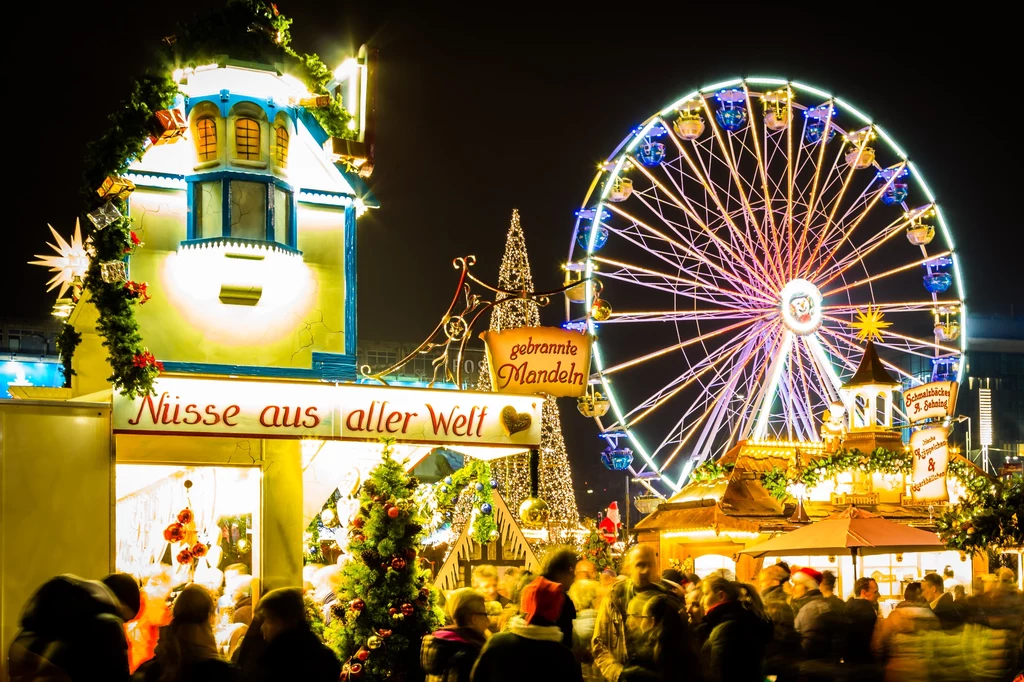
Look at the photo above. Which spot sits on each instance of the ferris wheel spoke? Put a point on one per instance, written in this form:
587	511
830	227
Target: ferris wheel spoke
887	273
771	386
914	381
684	315
769	208
703	176
904	307
689	249
822	143
870	204
673	388
693	293
742	415
802	385
817	379
910	341
706	289
723	247
683	344
860	253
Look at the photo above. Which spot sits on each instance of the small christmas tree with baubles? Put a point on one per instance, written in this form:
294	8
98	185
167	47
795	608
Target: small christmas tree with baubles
385	602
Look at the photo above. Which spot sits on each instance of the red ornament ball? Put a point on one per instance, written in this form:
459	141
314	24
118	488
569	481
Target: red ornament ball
363	654
392	610
357	604
377	498
393	512
358	537
356	669
408	609
398	563
358	522
384	633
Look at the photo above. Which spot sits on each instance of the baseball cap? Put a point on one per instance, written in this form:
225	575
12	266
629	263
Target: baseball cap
542	599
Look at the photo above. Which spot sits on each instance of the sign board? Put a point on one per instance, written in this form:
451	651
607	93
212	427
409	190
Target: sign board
931	458
355	412
930	401
539	360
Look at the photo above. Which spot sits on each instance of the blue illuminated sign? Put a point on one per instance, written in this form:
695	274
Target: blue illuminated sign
18	373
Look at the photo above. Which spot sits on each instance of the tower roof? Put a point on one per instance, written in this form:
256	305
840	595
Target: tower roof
871	370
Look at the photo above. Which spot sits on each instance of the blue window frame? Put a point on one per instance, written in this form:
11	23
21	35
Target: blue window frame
243	206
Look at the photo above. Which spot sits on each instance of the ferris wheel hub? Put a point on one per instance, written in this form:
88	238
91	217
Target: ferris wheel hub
800	304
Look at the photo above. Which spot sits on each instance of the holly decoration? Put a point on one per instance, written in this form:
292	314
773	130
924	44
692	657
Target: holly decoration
373	577
475	472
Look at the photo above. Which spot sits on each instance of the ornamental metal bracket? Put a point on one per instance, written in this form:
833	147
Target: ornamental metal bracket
457	324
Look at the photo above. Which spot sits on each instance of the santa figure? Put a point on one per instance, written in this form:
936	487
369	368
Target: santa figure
610	524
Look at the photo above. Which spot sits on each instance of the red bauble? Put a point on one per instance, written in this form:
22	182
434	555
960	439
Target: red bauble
355	669
408	609
377	498
358	522
398	563
384	633
357	604
363	654
393	512
392	610
358	537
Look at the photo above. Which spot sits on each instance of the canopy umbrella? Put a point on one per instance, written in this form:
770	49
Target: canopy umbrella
852	530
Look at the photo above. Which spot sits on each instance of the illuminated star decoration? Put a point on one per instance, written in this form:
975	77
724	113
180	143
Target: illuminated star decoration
71	260
870	325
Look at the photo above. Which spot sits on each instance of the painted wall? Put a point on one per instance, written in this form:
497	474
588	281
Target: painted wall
56	503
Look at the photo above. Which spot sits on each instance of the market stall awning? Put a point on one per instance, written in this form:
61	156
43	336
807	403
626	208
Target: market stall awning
852	531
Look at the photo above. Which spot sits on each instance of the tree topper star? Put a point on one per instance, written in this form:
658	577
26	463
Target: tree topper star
869	324
71	261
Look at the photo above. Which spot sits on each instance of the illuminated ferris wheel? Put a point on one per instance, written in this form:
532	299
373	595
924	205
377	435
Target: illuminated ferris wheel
736	238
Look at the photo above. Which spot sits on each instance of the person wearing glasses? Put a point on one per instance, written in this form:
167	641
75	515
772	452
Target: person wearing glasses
449	653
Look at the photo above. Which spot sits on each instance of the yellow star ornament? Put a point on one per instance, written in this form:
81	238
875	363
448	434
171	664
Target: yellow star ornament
869	325
71	261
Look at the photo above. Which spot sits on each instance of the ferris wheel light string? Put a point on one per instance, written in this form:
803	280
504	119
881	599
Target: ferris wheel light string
893	271
773	384
887	332
891	230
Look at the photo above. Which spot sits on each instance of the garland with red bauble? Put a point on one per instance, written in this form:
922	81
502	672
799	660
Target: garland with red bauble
386	604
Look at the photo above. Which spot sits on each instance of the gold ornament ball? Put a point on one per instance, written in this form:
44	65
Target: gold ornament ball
601	310
329	517
534	513
374	642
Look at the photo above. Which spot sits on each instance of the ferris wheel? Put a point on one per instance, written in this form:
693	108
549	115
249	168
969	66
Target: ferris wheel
733	242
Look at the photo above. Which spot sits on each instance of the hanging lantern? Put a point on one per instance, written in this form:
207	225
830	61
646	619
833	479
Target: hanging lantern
616	458
732	112
621	189
650	153
600	310
534	513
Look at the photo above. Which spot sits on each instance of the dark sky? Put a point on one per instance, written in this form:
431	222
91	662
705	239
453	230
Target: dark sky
478	117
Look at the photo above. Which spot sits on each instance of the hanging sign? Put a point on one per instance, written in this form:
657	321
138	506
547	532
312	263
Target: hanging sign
538	360
357	412
931	458
930	401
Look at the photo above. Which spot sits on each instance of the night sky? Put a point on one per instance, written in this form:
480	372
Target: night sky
478	117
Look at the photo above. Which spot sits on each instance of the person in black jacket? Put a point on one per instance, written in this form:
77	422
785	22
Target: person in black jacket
448	654
734	650
73	629
187	650
861	619
531	648
560	568
663	648
293	652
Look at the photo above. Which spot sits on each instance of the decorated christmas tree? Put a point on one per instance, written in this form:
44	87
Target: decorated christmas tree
514	472
385	603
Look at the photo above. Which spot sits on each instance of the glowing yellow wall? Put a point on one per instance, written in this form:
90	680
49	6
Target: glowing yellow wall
301	308
56	498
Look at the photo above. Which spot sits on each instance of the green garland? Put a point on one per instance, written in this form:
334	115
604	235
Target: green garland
250	30
597	551
478	472
986	518
710	471
67	342
777	480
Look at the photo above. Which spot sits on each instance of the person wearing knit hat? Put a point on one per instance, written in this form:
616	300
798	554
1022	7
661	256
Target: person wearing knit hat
531	648
804	580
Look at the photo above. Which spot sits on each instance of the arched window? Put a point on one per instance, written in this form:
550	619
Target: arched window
247	139
281	146
206	139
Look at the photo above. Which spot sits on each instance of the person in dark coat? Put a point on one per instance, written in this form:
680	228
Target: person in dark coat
771	584
448	654
531	648
734	650
941	602
861	621
293	652
73	629
560	568
828	591
819	625
783	654
663	649
187	649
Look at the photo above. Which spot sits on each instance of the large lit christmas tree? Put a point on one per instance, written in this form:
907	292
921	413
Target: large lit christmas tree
385	603
514	472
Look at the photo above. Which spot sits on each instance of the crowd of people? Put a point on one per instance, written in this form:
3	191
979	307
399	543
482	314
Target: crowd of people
570	623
